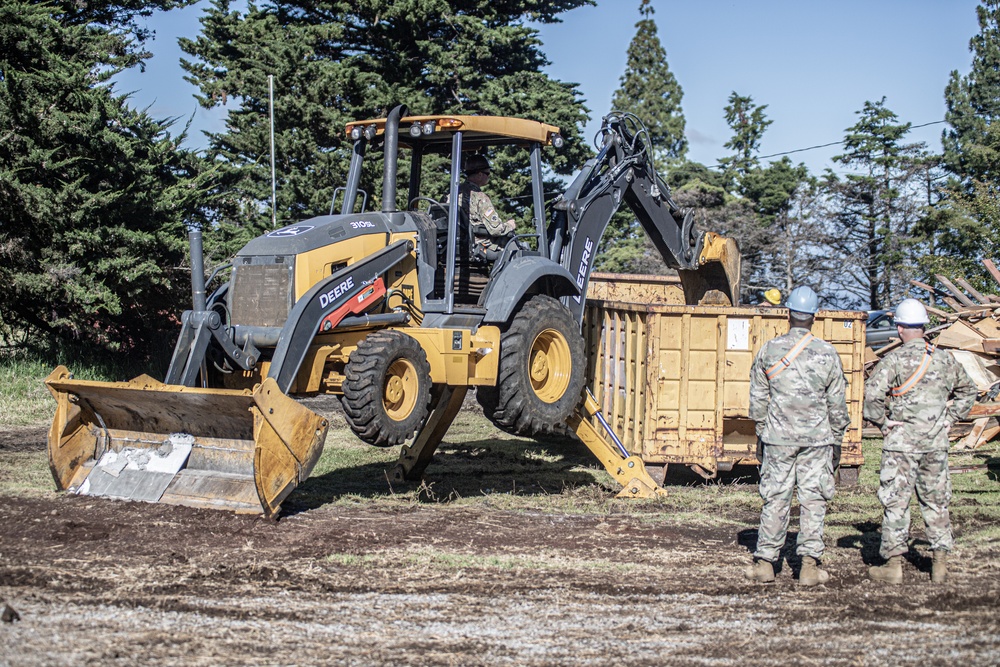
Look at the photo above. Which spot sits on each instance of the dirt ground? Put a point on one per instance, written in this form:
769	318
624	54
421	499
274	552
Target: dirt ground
99	582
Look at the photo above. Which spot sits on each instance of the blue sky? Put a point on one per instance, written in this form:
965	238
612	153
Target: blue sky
814	63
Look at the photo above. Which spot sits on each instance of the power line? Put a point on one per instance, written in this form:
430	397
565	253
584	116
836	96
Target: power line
837	143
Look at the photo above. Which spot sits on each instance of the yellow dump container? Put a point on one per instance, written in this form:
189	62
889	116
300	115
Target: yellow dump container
633	288
674	380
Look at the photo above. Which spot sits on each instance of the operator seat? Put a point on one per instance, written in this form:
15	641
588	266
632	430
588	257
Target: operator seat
471	273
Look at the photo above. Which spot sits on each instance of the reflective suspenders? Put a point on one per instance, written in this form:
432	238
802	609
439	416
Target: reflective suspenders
912	381
786	361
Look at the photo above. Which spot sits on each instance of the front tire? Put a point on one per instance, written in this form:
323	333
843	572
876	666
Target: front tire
386	388
541	370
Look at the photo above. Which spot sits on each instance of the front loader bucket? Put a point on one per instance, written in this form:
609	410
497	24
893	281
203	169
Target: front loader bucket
229	449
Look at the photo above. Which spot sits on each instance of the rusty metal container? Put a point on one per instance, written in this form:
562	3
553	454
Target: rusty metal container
632	288
674	380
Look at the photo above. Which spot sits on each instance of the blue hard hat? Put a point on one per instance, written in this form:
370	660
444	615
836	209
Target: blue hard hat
803	300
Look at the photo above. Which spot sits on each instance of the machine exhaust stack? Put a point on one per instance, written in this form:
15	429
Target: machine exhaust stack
390	165
197	271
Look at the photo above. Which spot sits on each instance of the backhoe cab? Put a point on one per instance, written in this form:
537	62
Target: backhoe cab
389	310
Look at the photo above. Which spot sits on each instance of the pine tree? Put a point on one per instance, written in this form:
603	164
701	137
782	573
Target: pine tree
780	236
876	208
649	90
951	235
792	248
93	194
335	61
748	122
972	149
972	144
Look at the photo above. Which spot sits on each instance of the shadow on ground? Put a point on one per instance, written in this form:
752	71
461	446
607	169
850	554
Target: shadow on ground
459	470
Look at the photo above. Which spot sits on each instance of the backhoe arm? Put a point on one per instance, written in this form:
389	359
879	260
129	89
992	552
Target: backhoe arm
623	171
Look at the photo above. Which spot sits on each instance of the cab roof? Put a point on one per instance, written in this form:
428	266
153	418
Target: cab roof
477	131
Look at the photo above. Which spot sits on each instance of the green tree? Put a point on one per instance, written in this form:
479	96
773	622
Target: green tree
748	122
787	249
950	237
717	210
972	143
93	194
972	155
649	90
877	208
335	61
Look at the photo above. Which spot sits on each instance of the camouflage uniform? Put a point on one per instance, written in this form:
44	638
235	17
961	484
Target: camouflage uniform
801	417
915	453
486	224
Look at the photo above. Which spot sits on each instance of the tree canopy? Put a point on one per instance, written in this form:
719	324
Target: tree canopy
96	197
972	146
650	90
93	194
338	61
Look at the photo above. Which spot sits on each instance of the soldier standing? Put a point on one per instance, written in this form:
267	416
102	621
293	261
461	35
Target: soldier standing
919	381
798	400
487	228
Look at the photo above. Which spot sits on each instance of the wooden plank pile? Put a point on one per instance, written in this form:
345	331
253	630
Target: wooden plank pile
971	330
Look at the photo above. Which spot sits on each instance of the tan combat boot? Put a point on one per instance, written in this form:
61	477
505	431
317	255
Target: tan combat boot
939	567
762	571
811	574
890	573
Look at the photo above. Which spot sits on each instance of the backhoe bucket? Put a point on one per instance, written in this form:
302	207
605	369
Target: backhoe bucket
238	450
716	281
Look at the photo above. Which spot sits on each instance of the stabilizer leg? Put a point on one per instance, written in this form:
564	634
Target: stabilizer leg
414	457
629	471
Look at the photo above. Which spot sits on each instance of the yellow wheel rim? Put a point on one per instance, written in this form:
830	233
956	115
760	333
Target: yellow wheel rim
400	394
550	365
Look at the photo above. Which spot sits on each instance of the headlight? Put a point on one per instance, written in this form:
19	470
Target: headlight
557	140
415	130
355	133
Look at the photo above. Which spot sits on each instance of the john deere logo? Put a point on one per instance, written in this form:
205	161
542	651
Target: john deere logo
290	231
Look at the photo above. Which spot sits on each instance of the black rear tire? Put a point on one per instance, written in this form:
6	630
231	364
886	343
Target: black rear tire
387	384
541	371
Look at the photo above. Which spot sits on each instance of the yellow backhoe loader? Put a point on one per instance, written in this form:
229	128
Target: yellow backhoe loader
393	311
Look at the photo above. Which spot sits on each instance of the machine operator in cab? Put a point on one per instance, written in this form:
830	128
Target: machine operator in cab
487	228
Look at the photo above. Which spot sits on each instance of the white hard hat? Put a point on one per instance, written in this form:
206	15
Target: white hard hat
802	299
911	312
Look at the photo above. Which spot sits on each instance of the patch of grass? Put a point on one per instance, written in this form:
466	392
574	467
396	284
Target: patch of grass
430	557
479	466
986	535
25	473
351	560
24	399
974	508
476	461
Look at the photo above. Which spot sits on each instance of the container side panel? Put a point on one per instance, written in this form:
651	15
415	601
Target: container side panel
702	365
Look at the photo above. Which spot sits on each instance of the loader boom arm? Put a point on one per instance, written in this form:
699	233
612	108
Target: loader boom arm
326	298
623	172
